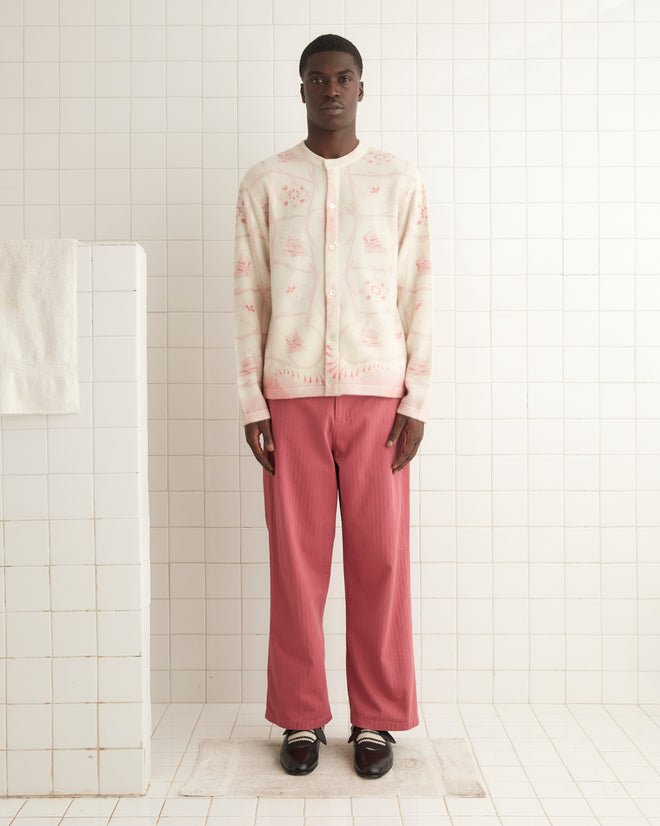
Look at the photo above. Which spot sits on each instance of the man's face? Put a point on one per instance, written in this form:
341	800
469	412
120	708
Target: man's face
330	89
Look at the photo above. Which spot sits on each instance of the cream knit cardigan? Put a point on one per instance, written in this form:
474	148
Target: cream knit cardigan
332	281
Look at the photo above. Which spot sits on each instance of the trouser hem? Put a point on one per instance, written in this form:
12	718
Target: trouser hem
296	725
385	725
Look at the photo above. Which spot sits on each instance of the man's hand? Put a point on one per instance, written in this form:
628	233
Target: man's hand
414	433
253	432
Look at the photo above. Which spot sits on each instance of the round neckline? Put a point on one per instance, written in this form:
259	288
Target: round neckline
343	160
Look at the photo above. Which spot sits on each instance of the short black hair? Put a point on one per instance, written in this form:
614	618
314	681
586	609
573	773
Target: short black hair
330	43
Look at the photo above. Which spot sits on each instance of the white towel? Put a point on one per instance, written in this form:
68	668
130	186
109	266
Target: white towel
38	327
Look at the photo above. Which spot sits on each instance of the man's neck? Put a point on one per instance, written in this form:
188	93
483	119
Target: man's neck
331	144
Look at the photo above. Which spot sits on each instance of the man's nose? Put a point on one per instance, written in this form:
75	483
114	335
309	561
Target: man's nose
332	90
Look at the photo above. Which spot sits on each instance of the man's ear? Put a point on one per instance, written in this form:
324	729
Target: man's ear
361	92
302	93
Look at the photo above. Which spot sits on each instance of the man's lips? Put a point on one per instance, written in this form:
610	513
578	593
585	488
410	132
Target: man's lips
333	108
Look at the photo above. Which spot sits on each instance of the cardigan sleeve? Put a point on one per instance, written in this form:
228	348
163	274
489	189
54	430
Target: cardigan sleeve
252	297
414	299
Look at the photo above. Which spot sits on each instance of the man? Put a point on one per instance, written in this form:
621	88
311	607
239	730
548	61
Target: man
333	339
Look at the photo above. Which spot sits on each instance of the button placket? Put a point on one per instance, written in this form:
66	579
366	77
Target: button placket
331	280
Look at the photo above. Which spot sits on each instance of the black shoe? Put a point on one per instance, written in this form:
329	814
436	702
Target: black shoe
373	752
300	750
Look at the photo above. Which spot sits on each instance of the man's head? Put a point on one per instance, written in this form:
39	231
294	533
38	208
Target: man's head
330	43
330	71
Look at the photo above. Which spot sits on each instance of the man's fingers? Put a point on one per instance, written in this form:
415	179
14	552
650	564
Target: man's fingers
397	427
267	434
253	432
414	431
406	457
263	460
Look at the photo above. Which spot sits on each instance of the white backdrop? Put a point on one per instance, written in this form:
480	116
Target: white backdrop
536	502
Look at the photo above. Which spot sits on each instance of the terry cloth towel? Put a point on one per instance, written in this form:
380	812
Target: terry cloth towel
38	327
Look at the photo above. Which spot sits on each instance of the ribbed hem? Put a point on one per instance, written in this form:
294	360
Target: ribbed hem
413	412
375	390
255	416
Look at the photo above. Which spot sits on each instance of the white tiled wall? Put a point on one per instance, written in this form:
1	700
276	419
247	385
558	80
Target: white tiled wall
536	125
74	681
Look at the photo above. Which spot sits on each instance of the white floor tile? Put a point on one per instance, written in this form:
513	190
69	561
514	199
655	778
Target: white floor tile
510	789
45	807
92	806
546	765
174	790
639	790
182	821
328	821
138	807
10	805
132	821
232	807
558	807
422	807
219	713
280	807
37	821
518	807
158	789
650	808
318	807
614	806
186	807
553	788
243	731
230	821
623	821
426	820
469	807
168	745
569	820
251	714
375	807
210	732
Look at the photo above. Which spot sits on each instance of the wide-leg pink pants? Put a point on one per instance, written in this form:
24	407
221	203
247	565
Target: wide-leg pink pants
325	445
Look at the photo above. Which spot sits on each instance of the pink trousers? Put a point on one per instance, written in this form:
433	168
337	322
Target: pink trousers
325	446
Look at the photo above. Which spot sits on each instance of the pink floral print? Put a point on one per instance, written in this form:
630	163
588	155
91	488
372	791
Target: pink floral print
332	280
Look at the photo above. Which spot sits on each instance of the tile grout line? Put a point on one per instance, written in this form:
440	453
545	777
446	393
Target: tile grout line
561	757
600	753
522	765
460	710
635	366
468	738
606	709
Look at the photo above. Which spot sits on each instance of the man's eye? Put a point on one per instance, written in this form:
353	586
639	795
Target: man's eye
346	79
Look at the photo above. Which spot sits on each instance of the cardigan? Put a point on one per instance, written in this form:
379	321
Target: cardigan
332	280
